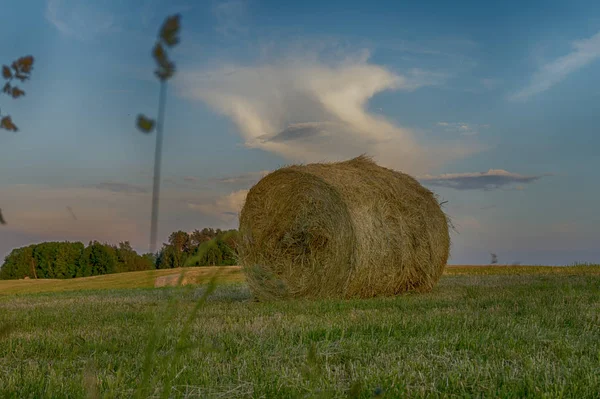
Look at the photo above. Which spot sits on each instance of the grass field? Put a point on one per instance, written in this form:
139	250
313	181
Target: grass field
483	332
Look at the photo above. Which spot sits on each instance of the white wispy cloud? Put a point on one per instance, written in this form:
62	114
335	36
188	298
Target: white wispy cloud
82	20
229	15
584	52
449	47
463	128
308	110
417	78
489	83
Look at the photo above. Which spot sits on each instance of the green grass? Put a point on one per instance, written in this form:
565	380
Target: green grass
483	332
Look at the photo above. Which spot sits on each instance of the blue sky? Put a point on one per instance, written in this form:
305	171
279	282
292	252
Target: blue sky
491	105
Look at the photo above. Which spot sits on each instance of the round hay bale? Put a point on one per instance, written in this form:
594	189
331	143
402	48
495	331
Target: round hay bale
341	230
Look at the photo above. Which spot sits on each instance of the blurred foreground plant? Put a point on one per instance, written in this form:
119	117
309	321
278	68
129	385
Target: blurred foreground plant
168	37
20	70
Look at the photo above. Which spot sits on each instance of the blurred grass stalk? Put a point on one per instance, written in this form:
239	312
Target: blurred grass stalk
157	164
168	37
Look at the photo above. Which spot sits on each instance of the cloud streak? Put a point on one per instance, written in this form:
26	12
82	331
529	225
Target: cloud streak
463	128
244	180
226	207
81	20
38	212
125	188
490	83
229	15
308	110
490	180
584	52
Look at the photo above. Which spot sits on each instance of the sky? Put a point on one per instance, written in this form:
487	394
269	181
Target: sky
492	105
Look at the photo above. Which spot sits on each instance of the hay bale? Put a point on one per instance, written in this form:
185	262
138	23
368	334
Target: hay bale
341	230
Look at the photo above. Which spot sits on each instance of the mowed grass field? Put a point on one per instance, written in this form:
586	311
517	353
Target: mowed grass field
503	331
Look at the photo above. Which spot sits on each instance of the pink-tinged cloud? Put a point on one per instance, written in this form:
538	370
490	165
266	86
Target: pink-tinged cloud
39	213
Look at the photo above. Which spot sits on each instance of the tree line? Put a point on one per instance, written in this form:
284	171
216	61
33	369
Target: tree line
62	260
206	247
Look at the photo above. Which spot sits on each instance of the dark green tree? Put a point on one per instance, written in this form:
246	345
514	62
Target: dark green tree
85	267
197	237
207	254
126	257
43	256
103	259
176	252
150	259
60	267
128	260
228	254
18	264
213	254
97	259
144	262
75	251
68	260
168	258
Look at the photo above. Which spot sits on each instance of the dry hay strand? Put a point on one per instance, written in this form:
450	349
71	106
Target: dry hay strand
166	281
172	280
349	229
